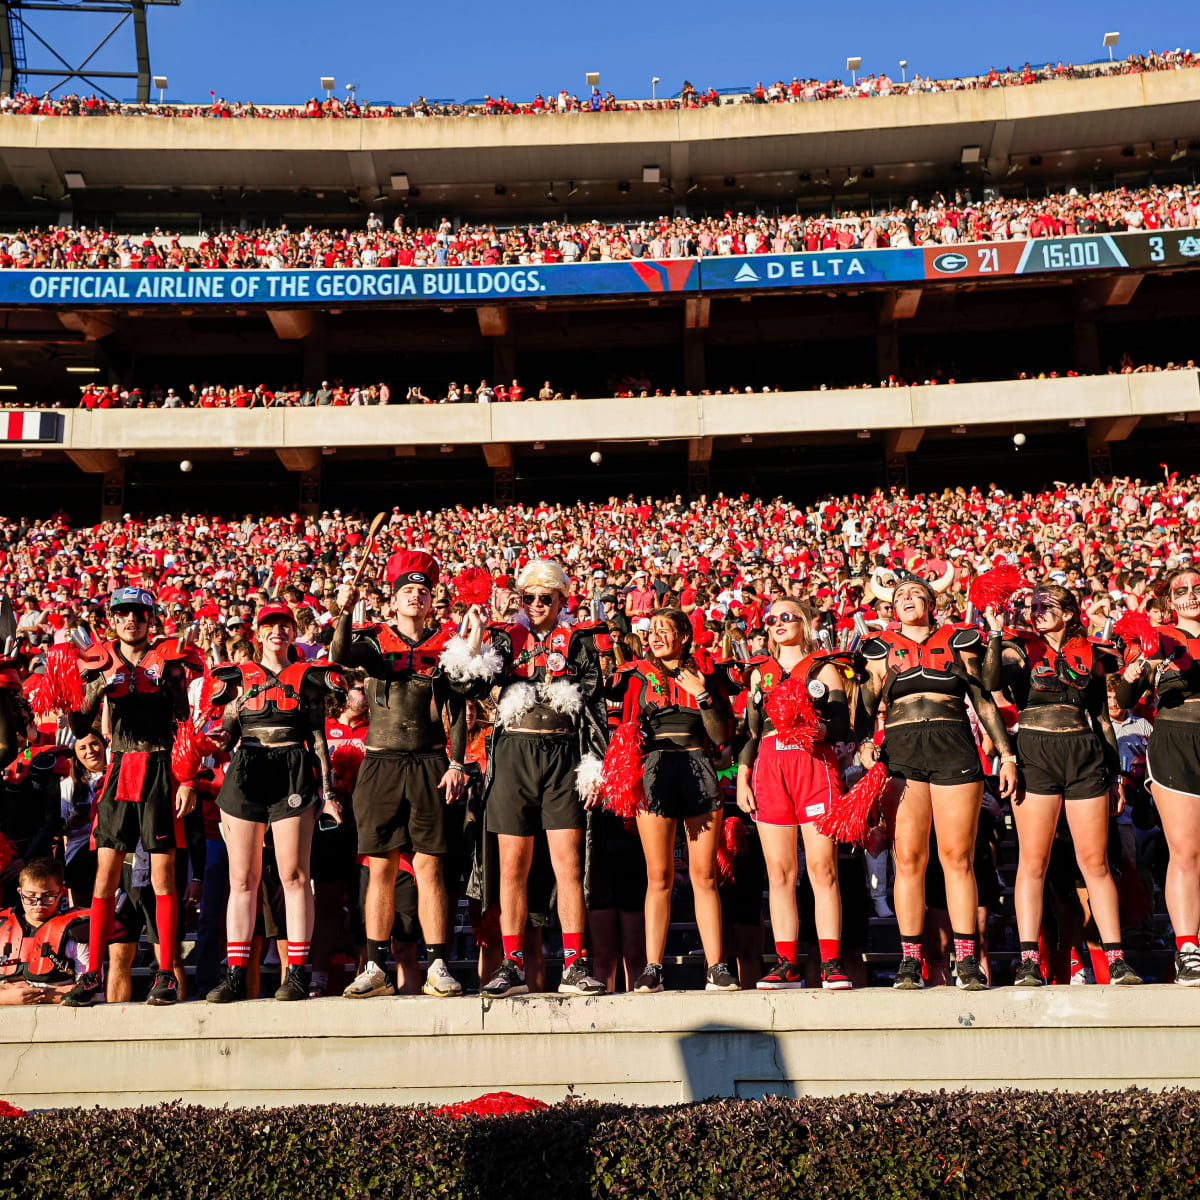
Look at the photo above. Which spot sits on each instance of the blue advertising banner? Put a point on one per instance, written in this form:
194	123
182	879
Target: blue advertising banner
823	268
289	287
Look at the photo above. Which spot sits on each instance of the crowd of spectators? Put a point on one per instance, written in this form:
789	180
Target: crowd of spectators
722	559
798	90
938	220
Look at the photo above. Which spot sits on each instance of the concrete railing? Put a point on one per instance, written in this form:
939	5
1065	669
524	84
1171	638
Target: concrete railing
679	1046
632	419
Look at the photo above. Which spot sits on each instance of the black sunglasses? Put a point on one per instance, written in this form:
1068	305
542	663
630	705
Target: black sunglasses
543	598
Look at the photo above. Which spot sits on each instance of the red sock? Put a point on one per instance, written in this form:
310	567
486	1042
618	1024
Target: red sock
912	949
788	952
964	946
298	953
100	925
1076	962
166	918
1099	964
572	948
238	953
514	947
1187	939
830	948
1114	954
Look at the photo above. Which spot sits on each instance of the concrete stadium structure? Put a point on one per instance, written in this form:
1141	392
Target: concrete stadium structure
651	1050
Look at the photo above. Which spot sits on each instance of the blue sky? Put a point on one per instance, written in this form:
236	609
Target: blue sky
275	52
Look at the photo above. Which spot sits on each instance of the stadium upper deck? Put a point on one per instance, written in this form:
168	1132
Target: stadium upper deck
1069	131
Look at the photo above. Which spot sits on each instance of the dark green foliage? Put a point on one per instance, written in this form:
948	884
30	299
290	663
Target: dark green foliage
988	1144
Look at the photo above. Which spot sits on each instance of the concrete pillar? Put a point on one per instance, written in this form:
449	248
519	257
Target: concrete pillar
695	376
310	492
1087	347
112	494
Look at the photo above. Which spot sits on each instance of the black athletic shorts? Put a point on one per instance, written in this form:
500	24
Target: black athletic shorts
532	784
121	824
616	865
681	784
398	804
938	752
1070	765
1173	756
405	927
135	909
268	784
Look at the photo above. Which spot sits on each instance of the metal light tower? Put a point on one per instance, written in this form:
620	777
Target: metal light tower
18	68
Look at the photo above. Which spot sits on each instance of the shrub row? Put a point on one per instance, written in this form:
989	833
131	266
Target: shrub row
998	1144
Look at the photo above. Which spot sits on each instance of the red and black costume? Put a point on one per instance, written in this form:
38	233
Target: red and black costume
397	801
1172	675
49	953
1065	740
278	725
929	740
551	724
793	784
682	733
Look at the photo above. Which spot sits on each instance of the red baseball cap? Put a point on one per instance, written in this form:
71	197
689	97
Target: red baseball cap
274	612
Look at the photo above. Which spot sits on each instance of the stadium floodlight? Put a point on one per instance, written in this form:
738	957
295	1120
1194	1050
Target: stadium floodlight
160	82
327	85
74	179
400	181
852	65
903	69
970	154
654	87
592	78
1110	40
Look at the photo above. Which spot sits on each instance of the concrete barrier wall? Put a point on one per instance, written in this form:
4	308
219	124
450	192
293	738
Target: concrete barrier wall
644	1049
734	122
603	420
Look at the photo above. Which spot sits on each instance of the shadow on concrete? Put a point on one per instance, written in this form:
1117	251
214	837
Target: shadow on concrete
725	1060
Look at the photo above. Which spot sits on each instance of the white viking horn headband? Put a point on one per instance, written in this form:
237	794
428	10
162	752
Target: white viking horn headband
935	587
544	573
877	586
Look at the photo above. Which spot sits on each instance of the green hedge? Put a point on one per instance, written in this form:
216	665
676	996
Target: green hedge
998	1144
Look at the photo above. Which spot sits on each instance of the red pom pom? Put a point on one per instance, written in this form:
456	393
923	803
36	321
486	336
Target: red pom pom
995	588
189	751
487	928
8	851
1135	627
624	791
494	1104
791	711
733	846
344	760
473	585
10	1110
61	687
853	815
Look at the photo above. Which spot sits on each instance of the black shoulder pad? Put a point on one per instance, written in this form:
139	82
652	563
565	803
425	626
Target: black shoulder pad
966	639
874	647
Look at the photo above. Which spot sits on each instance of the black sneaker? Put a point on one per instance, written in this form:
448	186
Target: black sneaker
231	988
577	982
650	980
87	987
1121	973
719	979
294	985
509	980
1187	967
833	978
969	976
1028	974
908	975
784	976
165	990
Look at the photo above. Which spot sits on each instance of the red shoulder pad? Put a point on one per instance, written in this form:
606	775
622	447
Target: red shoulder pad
320	673
97	657
597	631
174	649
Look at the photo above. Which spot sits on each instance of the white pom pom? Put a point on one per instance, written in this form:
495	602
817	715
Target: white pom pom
563	697
515	701
460	664
589	776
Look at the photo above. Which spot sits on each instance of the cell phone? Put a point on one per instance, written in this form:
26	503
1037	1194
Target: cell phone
326	823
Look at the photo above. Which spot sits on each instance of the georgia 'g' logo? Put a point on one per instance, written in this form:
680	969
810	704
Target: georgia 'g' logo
950	263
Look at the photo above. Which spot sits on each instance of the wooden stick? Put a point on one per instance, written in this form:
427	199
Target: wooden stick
376	524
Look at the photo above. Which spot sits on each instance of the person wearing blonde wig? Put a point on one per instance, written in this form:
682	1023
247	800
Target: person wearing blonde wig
544	767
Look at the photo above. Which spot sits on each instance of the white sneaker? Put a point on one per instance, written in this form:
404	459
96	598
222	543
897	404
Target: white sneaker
371	981
1082	976
439	981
